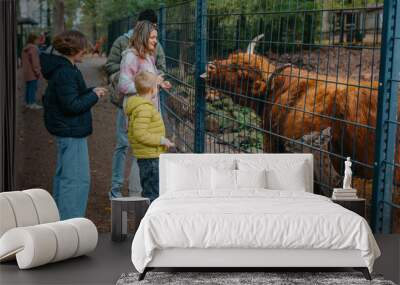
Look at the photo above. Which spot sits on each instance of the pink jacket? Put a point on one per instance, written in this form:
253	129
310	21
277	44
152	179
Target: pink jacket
131	64
30	62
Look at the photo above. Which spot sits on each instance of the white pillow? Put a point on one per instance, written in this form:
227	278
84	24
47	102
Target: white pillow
291	178
281	174
182	177
195	161
251	178
224	179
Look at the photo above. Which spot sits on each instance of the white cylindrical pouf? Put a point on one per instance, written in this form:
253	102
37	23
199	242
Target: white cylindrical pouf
33	246
7	218
23	208
31	232
87	234
67	240
45	206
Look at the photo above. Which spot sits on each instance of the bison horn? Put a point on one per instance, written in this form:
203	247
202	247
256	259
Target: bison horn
210	65
252	44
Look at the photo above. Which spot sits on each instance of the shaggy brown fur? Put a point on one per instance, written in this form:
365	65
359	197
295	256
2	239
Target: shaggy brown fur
301	102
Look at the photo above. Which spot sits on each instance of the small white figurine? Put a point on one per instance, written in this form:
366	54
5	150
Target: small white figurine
347	174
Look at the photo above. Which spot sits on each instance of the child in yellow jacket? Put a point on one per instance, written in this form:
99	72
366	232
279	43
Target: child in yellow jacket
146	132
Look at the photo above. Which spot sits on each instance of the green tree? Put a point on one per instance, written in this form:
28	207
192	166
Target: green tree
58	16
71	12
98	14
92	17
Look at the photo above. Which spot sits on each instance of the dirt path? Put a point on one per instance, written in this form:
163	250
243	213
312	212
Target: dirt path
36	149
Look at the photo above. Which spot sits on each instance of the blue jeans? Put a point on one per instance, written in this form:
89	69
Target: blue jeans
149	177
118	162
71	182
30	91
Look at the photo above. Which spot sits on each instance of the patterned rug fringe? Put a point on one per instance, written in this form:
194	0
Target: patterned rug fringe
247	278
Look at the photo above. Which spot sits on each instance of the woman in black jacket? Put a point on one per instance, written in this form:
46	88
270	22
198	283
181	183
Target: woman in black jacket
67	116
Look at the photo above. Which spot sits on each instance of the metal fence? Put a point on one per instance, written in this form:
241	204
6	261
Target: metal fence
290	76
118	28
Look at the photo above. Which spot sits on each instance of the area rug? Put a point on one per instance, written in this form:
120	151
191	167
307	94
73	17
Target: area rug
244	278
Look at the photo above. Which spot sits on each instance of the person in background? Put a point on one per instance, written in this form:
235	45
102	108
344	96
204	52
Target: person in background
47	39
42	42
146	131
31	70
97	48
112	67
67	116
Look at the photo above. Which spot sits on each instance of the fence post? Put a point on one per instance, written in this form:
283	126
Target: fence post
162	39
201	56
161	25
237	33
386	118
110	37
128	23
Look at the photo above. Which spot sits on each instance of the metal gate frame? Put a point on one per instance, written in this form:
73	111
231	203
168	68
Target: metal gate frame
387	117
201	55
386	125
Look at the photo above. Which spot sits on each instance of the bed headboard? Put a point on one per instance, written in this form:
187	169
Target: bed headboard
211	159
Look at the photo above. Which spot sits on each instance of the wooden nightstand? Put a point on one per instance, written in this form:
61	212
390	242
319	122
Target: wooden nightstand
358	205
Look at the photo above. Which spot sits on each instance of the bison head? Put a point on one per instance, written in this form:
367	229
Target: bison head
243	73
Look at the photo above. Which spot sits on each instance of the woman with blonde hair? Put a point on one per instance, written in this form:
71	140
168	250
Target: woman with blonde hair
140	56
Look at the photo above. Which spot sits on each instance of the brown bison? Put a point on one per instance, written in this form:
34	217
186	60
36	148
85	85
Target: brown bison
299	102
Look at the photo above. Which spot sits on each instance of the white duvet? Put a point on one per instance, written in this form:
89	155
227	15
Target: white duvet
253	218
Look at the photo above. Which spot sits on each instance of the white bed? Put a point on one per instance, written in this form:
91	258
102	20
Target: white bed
247	226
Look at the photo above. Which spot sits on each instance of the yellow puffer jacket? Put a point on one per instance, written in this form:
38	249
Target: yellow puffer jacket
145	128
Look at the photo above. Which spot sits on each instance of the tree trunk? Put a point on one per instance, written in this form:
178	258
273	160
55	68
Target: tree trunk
58	16
48	15
94	27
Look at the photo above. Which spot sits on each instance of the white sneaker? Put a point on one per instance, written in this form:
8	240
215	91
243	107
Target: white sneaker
36	106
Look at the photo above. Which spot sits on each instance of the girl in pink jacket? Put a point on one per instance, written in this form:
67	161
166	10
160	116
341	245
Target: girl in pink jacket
140	57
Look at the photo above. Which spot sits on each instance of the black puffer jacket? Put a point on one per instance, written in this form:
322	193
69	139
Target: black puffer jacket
67	101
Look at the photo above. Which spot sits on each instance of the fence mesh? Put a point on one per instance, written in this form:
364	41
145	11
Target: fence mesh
327	101
282	76
120	27
179	45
